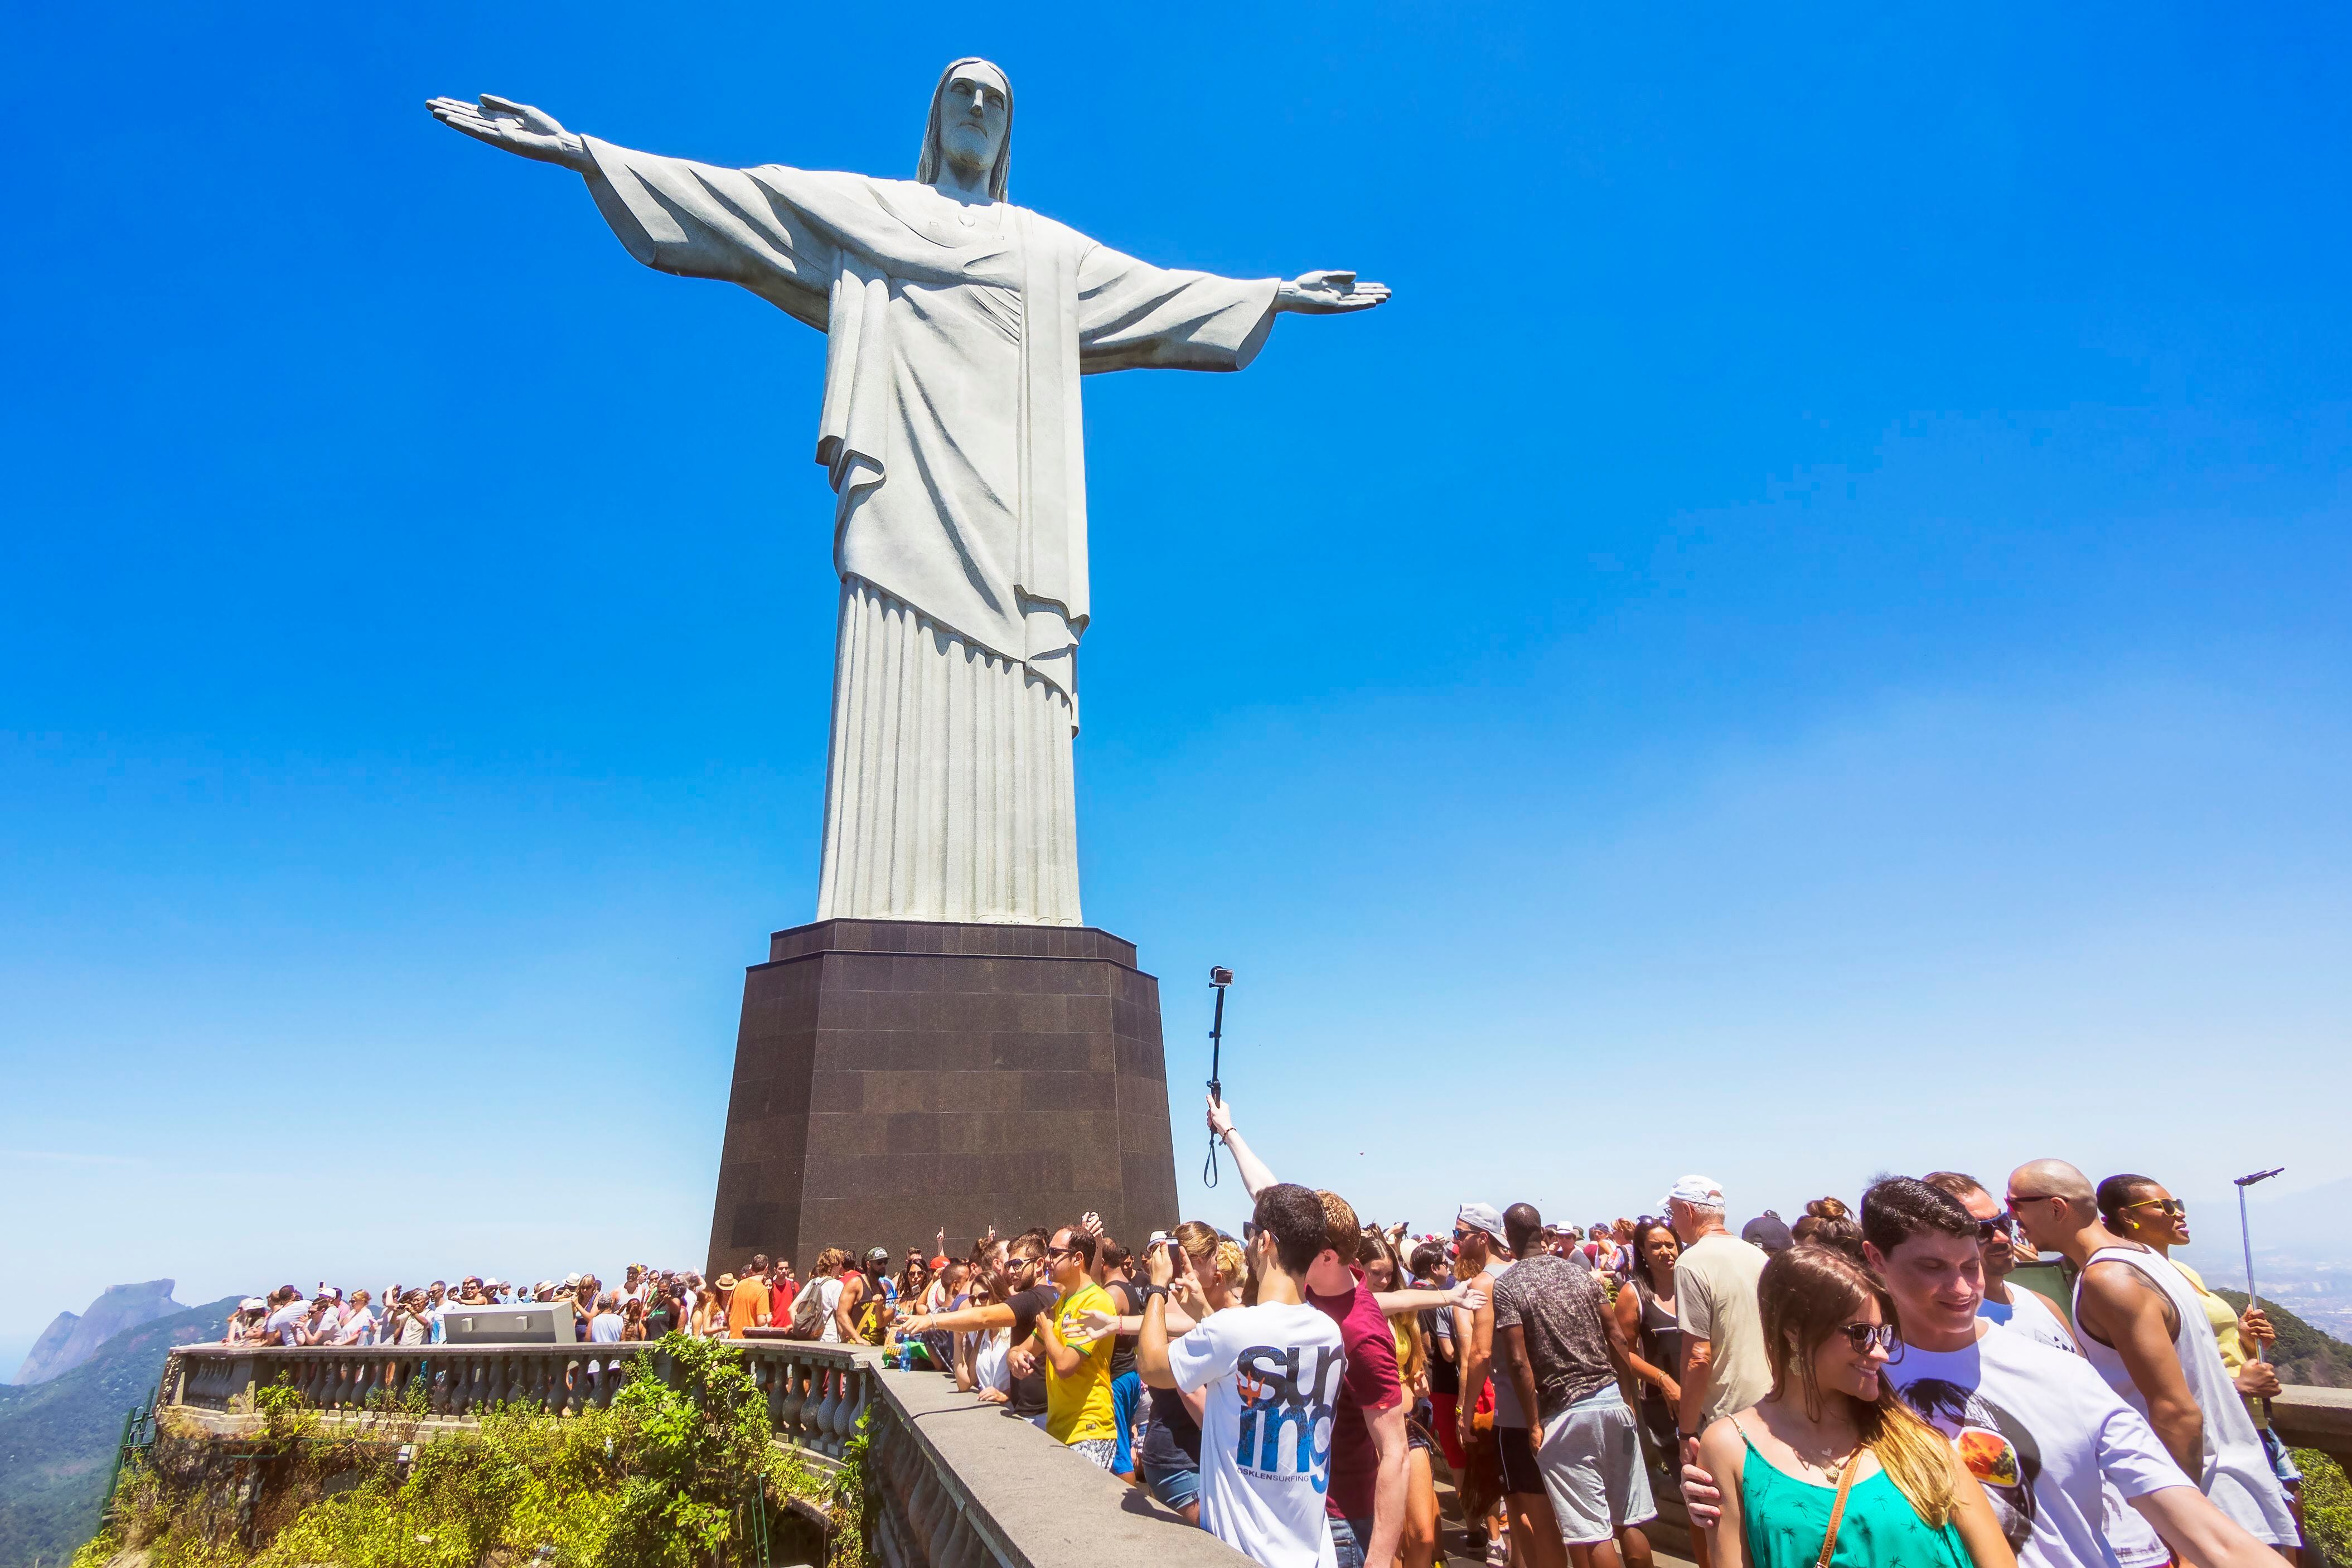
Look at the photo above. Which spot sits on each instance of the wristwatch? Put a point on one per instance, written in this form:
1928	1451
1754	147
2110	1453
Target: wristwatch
1151	1290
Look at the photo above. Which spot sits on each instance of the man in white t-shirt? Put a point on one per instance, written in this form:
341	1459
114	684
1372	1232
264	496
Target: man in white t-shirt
2032	1314
1270	1373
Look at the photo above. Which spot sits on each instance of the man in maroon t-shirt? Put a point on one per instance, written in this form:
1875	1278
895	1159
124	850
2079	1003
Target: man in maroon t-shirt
1369	1451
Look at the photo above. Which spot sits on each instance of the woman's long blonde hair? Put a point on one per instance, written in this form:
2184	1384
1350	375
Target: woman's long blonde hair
1809	1293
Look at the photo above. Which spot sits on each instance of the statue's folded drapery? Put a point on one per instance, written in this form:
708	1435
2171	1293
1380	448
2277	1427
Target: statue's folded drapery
952	435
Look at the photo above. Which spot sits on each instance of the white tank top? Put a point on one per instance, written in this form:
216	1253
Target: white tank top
2238	1475
829	1298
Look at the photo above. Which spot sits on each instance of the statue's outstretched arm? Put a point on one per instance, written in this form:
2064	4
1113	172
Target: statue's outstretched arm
517	128
1321	293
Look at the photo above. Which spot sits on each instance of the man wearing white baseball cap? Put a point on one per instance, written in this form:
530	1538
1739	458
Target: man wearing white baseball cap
1724	1366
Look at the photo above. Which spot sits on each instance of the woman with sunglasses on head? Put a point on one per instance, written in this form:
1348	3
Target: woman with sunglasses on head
1831	1467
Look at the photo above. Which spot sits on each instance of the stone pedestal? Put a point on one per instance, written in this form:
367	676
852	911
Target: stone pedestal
892	1076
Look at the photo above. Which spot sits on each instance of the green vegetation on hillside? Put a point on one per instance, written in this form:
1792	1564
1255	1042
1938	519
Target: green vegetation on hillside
2303	1355
57	1438
2326	1504
674	1475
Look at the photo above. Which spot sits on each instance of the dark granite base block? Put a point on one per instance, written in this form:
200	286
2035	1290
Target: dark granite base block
892	1077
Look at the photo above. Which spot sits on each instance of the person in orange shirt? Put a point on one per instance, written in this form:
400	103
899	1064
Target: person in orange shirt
748	1306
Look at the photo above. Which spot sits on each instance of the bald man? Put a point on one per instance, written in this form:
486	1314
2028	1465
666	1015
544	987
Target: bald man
2142	1326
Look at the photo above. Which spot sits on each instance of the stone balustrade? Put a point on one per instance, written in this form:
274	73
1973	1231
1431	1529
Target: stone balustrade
956	1483
815	1392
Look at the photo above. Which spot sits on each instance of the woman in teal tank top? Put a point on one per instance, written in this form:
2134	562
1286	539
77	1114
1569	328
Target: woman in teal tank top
1832	1467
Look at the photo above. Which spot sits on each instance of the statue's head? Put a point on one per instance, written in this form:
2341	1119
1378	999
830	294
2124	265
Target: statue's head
971	127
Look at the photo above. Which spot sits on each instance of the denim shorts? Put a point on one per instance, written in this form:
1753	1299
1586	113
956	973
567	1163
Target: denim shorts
1175	1488
1348	1539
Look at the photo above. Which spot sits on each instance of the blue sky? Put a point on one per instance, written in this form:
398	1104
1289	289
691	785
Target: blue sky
1810	637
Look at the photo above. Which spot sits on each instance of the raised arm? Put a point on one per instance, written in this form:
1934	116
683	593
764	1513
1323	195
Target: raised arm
1256	1177
1424	1297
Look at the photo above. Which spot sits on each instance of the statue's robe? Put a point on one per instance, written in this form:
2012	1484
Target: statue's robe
956	336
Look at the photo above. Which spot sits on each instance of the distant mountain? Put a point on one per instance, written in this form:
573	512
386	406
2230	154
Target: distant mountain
57	1438
70	1341
46	1358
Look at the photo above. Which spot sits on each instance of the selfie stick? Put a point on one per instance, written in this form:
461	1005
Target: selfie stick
2247	1238
1219	978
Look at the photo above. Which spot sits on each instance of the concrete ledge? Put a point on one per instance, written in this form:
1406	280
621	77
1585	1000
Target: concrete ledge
1032	1503
2321	1418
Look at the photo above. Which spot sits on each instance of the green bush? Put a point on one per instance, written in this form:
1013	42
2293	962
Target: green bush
2326	1504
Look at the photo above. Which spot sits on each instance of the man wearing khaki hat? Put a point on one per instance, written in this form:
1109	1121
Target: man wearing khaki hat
1725	1368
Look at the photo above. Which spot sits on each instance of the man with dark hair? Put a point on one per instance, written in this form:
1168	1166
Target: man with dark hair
1270	1373
1370	1449
1079	1405
748	1306
1561	1351
2023	1311
2145	1330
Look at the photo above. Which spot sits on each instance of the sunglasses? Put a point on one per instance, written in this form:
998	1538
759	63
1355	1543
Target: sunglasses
2013	1199
2172	1206
1862	1336
1989	1228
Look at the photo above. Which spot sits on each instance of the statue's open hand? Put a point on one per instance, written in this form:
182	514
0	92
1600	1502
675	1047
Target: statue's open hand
1328	294
516	127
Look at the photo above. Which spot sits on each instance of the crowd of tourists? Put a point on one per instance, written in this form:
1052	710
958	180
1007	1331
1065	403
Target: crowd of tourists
1871	1384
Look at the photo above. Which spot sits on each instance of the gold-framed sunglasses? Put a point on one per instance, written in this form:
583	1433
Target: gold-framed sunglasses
2172	1206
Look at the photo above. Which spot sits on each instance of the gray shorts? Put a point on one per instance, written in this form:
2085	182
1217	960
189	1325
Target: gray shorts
1593	1468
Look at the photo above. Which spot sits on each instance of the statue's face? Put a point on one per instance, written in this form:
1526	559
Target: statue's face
972	119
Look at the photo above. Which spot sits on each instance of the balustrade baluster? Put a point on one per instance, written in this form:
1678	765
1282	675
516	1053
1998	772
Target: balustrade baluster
861	1382
795	1391
821	1424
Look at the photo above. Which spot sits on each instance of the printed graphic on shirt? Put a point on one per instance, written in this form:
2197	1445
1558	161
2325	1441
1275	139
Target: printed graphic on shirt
1277	1402
1992	1443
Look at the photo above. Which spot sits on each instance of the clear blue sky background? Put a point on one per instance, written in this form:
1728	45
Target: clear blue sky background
1810	637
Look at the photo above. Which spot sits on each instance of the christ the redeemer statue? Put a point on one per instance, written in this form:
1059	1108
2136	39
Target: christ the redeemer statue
957	327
